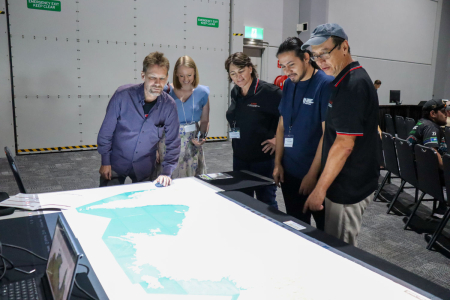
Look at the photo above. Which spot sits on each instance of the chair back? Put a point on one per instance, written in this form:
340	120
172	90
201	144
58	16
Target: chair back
428	172
406	163
15	170
389	124
447	136
400	127
390	155
446	162
410	123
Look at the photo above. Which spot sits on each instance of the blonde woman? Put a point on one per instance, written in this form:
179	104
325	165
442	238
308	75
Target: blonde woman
192	102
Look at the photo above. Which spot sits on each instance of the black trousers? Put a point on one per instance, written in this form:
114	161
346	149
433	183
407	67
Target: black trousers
294	202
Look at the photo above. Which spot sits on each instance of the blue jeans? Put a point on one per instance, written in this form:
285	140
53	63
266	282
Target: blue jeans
266	194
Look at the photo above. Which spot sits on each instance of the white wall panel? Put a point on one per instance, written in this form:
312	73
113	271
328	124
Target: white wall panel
111	20
42	23
209	37
6	115
105	66
44	67
400	30
160	22
411	79
92	47
47	122
92	112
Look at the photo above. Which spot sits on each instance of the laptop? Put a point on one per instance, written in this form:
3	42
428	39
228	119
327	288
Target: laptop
59	277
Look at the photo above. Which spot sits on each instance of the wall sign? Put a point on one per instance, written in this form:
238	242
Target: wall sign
51	5
254	33
207	22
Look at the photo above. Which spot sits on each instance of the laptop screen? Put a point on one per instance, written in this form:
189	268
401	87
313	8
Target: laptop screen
62	263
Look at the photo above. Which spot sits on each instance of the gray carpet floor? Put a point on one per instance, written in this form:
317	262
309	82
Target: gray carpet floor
381	234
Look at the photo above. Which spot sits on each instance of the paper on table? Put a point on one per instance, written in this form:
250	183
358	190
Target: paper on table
36	202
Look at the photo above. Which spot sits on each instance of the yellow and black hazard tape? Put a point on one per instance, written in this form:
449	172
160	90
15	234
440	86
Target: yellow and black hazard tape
56	149
216	138
238	34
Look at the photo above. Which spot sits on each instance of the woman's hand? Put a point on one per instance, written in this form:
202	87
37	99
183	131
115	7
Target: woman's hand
197	143
269	146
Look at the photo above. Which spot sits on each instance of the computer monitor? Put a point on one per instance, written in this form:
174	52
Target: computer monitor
394	97
62	261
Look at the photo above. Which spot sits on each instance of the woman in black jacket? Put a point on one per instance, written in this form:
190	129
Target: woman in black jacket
253	117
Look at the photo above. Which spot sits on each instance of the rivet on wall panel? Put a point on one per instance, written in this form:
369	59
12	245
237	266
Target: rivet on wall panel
79	96
37	96
107	42
98	41
48	96
22	36
34	37
45	38
26	96
67	39
58	96
56	39
68	96
89	96
160	45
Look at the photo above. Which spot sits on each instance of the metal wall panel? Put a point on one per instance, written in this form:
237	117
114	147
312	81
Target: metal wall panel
47	122
161	22
92	47
42	23
111	20
105	66
6	114
44	67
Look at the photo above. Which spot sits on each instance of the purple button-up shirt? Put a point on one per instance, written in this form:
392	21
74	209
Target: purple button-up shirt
128	140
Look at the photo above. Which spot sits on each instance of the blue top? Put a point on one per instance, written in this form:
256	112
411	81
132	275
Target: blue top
128	140
198	99
308	111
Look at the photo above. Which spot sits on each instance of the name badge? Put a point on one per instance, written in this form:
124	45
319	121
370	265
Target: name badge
235	133
289	141
189	128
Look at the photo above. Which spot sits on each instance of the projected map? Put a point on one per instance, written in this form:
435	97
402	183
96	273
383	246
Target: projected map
132	227
186	242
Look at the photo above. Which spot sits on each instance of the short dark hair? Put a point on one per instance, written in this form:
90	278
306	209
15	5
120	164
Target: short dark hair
338	42
240	60
377	81
295	44
155	58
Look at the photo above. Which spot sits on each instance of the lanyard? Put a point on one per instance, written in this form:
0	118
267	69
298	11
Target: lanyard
293	99
182	105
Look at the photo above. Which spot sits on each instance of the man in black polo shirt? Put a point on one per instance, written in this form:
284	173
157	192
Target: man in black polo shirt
349	157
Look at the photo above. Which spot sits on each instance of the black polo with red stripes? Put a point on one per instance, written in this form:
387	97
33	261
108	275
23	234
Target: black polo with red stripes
353	111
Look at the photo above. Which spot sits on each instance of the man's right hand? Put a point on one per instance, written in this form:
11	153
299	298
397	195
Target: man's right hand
278	175
105	172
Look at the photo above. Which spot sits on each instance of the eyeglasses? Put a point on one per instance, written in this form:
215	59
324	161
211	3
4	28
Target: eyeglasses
323	56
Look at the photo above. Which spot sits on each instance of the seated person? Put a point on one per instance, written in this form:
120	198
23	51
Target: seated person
428	132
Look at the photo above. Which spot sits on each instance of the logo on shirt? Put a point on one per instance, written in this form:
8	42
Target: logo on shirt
253	105
430	140
308	101
330	104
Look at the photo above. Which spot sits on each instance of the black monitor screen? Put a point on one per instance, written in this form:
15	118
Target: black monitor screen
394	96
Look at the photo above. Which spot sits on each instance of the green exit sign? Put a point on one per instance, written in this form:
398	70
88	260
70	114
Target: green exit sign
254	33
44	5
208	22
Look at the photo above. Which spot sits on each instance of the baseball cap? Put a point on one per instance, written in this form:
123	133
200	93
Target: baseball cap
322	32
433	104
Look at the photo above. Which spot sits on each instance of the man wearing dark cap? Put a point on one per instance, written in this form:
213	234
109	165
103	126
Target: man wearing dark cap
350	167
428	133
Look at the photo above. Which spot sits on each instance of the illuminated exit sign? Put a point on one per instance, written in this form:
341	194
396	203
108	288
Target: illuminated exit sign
254	33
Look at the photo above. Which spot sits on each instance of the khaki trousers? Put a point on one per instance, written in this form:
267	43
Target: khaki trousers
344	220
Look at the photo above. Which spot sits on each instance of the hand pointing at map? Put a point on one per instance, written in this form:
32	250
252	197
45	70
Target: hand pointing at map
164	180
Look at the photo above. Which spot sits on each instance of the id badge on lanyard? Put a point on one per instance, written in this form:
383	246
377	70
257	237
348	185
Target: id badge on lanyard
235	132
289	139
189	127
